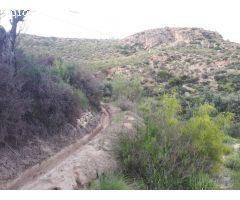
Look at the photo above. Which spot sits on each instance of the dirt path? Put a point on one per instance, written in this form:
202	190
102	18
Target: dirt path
32	174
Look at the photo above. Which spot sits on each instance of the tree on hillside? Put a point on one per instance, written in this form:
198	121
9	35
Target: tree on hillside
7	39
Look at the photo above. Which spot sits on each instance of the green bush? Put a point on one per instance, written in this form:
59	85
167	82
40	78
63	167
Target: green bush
163	76
236	180
107	89
233	162
234	131
82	82
225	103
82	79
127	50
228	83
173	154
82	98
110	182
130	88
151	157
125	104
207	134
176	81
202	181
47	105
60	70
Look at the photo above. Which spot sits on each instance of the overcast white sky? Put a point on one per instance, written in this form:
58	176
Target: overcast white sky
120	18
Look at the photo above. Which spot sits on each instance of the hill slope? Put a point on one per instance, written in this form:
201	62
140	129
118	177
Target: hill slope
197	65
182	51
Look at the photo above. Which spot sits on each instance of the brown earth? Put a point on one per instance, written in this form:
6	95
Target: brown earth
15	160
76	165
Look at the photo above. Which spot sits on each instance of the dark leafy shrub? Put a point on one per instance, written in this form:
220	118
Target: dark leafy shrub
180	80
177	81
82	98
107	89
52	105
23	60
32	103
79	79
46	60
189	104
163	76
234	65
127	50
125	104
85	81
228	83
234	130
225	103
12	108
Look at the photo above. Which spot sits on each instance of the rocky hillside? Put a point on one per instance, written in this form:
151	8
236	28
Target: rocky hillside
192	71
192	59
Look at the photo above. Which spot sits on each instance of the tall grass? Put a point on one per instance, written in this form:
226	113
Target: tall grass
110	182
233	163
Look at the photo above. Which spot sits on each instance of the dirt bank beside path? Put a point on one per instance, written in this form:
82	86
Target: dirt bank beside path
79	163
41	168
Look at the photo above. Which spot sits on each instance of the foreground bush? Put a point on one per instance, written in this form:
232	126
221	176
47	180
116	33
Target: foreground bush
172	154
233	162
207	134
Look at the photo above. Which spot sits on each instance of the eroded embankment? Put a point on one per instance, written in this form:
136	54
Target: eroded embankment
79	163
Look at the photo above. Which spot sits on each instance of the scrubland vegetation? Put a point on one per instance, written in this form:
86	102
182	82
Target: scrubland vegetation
190	105
42	99
39	107
172	151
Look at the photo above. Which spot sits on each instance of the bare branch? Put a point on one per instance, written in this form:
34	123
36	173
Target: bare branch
7	40
17	16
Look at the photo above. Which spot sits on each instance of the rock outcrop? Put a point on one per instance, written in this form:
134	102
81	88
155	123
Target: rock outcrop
172	36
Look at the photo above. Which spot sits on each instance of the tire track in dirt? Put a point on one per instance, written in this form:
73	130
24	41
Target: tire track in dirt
34	172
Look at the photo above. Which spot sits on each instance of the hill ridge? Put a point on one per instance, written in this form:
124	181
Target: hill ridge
173	36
